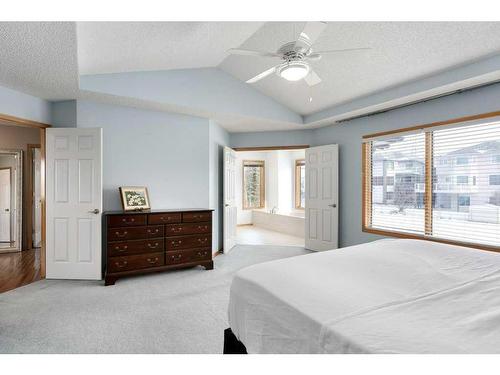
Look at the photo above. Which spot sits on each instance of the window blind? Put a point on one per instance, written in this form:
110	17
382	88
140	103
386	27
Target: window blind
466	195
440	182
397	183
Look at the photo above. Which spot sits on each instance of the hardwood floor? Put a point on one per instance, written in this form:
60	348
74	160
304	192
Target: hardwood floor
19	268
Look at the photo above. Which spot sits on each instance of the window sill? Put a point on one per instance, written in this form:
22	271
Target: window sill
382	232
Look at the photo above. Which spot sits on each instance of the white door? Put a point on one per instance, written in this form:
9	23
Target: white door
37	199
5	199
322	198
74	203
229	199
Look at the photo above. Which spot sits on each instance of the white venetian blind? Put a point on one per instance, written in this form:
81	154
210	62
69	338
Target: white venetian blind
466	183
397	171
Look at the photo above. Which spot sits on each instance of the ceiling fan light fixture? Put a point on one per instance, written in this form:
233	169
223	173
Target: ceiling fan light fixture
294	70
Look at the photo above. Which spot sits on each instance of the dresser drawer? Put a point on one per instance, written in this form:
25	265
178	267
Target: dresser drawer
188	217
134	262
174	217
135	247
132	233
180	229
188	256
133	220
186	242
153	231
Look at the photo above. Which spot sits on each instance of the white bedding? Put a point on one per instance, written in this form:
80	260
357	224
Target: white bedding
387	296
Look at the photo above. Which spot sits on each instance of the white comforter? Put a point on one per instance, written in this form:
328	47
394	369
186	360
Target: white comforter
388	296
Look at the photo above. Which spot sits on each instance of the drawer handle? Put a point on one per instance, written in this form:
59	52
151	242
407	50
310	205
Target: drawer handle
176	257
201	240
197	216
153	247
168	218
176	242
131	219
176	230
152	261
202	255
121	265
200	227
156	230
121	250
121	234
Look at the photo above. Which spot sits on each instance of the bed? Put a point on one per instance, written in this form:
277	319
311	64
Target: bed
387	296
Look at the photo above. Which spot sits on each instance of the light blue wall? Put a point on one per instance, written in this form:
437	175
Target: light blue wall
166	152
278	138
15	103
218	138
64	114
349	134
208	89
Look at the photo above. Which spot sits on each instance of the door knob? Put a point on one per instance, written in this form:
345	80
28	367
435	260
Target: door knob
226	205
94	211
7	210
332	205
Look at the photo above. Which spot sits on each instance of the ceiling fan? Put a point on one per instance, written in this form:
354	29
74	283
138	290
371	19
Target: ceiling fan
296	56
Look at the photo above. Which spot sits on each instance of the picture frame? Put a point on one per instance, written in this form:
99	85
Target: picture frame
134	198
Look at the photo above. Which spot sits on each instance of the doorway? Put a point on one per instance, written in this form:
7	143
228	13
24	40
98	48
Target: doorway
22	190
269	187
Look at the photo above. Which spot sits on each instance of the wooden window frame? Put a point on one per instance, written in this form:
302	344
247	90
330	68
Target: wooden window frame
298	164
262	185
366	177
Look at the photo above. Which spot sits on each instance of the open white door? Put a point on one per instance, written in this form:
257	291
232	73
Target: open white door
74	203
321	206
5	199
229	199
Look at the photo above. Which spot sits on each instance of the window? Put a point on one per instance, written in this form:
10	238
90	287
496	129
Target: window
495	179
300	183
445	184
464	200
253	184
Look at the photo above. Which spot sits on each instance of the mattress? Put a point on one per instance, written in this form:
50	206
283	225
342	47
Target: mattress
387	296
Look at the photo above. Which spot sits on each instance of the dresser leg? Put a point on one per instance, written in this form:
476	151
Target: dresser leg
109	280
209	265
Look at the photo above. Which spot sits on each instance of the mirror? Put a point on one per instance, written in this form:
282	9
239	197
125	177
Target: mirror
11	175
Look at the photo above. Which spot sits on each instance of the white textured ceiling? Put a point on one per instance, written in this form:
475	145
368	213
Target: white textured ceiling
39	58
117	47
400	52
44	58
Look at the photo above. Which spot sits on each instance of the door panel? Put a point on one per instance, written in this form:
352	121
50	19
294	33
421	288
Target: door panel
74	203
5	209
229	199
321	206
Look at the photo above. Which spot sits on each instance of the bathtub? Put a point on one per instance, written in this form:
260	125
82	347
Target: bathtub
292	223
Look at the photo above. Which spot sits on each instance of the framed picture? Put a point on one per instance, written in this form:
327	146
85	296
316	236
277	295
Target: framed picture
134	198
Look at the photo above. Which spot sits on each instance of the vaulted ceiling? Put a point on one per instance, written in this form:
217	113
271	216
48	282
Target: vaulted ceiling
184	66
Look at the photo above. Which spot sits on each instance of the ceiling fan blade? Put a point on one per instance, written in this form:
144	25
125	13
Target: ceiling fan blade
312	78
247	52
317	55
264	74
310	34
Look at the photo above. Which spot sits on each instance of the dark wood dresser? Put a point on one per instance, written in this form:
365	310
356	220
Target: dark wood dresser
137	242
